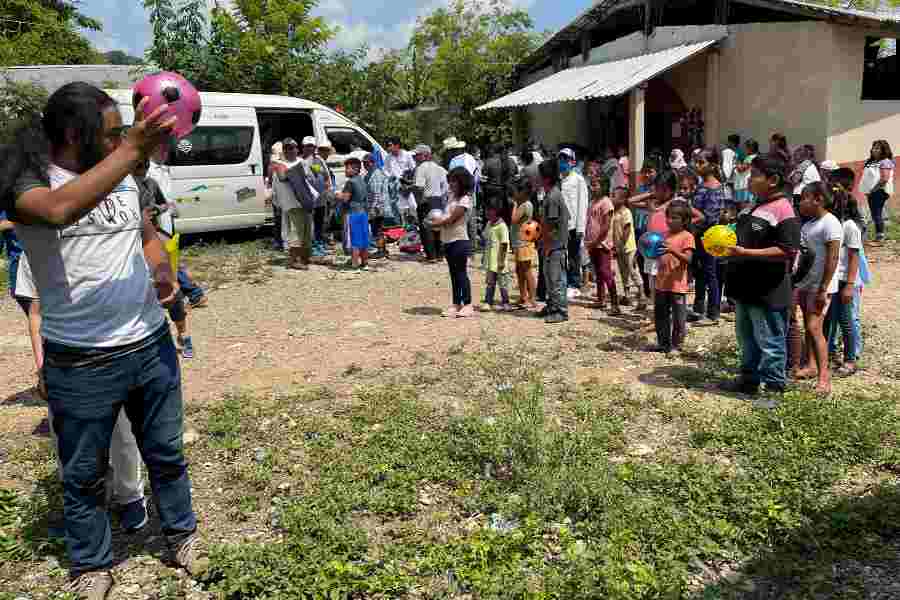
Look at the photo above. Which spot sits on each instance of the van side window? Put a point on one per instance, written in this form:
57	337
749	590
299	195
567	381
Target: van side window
346	140
212	146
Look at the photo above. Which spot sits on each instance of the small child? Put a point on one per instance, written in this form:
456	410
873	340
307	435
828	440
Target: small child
526	255
853	274
670	301
598	243
495	260
657	204
356	197
625	247
153	200
823	235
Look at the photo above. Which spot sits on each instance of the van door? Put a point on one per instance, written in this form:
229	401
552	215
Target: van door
347	141
217	172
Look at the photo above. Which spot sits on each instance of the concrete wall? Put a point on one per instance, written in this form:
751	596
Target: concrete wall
855	123
53	77
773	77
689	81
559	122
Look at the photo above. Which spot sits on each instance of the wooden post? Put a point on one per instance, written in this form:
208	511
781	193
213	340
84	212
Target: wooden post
636	106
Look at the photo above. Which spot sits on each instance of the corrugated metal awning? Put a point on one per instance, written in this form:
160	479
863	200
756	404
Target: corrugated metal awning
599	81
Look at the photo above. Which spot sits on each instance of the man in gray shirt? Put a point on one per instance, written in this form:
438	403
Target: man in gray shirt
430	188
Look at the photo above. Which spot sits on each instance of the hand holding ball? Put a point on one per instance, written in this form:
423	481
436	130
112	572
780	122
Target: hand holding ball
177	93
433	216
719	239
530	231
652	244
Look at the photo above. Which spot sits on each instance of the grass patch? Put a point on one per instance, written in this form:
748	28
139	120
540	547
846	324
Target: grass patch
536	500
219	264
24	520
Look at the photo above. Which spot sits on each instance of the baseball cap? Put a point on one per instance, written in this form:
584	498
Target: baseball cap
309	141
422	149
289	142
568	153
829	165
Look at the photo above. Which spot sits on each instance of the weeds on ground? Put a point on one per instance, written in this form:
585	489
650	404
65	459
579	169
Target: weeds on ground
219	264
24	520
543	505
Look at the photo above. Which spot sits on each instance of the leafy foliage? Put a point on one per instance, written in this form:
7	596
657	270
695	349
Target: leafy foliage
468	51
36	32
21	100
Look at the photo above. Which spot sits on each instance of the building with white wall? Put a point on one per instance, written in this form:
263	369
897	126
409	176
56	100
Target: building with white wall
626	72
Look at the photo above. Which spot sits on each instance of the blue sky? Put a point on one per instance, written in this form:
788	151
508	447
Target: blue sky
380	23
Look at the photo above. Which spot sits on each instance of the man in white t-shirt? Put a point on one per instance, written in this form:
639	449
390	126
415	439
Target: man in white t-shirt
399	166
431	194
102	274
577	197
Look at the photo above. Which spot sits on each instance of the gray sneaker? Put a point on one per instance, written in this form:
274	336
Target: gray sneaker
188	556
94	585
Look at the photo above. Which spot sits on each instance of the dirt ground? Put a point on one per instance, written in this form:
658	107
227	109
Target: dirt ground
268	329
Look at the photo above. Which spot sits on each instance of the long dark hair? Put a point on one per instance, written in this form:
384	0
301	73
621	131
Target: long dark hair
464	180
885	151
845	205
76	107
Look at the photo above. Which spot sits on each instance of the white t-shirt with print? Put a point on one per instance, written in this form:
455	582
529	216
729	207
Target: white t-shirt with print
816	234
94	284
742	179
852	241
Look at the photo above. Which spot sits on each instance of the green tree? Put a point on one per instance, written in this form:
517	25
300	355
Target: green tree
117	57
20	101
464	56
42	32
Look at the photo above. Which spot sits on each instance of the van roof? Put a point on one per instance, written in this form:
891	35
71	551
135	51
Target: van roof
251	100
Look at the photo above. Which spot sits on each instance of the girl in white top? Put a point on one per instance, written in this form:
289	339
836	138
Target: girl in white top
806	171
878	183
823	235
453	226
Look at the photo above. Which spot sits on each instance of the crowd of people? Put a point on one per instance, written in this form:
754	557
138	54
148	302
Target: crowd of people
793	282
83	224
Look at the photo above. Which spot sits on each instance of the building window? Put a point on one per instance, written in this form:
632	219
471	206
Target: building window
880	72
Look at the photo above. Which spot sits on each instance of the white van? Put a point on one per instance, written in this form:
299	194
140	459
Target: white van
217	171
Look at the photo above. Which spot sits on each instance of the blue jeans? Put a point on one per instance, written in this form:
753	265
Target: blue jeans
846	318
457	254
708	292
191	290
86	401
761	334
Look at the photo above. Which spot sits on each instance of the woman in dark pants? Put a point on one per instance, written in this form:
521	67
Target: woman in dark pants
881	161
455	238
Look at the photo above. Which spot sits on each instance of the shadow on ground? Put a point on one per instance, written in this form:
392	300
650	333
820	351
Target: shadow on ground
850	549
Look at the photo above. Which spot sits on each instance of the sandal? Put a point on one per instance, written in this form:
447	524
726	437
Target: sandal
847	371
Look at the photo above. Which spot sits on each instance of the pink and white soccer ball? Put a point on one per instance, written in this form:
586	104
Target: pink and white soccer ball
176	91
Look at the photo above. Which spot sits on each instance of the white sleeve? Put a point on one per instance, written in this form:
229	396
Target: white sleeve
581	206
811	175
852	235
25	287
834	231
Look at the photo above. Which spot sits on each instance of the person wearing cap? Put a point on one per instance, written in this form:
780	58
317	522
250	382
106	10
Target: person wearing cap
296	196
377	188
399	166
430	188
576	195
